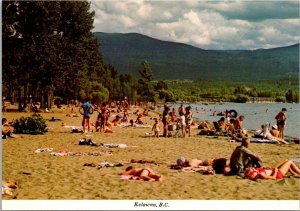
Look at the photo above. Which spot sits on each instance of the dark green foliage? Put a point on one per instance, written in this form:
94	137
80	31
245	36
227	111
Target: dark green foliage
291	96
241	99
30	125
171	60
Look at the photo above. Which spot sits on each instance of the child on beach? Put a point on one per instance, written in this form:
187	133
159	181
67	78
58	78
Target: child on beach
156	128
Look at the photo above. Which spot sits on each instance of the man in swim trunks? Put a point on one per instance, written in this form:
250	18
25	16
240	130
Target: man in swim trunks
86	114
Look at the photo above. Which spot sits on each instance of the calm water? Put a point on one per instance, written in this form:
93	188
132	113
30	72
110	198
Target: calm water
255	114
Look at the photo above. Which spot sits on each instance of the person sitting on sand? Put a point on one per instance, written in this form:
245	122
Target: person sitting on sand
265	133
238	123
115	122
146	174
139	119
242	157
156	128
7	129
146	112
222	124
278	171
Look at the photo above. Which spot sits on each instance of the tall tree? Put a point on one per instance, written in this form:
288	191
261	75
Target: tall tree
145	87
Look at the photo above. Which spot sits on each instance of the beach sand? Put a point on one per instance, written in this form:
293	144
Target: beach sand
42	176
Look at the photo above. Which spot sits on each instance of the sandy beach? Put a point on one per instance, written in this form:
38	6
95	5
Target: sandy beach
42	176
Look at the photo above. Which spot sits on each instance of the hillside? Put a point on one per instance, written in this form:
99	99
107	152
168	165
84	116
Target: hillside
170	60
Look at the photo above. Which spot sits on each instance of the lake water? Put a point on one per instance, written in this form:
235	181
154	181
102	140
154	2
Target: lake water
255	114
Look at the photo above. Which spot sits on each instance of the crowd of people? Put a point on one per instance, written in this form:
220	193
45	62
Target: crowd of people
242	162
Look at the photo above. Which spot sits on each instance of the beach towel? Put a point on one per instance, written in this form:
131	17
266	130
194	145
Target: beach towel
256	140
66	153
114	145
130	177
201	169
43	150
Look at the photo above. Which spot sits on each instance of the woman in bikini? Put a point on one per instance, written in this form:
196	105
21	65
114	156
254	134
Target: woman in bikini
276	172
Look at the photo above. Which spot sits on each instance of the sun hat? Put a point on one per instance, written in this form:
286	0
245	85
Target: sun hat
180	161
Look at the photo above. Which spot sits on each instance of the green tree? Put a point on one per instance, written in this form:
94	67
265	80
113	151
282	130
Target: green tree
145	87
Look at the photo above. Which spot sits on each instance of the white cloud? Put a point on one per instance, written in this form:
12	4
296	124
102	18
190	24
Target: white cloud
209	25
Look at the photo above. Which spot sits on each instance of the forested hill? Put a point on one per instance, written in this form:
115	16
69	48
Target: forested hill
170	60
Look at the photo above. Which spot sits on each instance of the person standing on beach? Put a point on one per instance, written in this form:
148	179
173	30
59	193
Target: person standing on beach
165	120
183	123
188	118
242	158
87	107
281	118
156	128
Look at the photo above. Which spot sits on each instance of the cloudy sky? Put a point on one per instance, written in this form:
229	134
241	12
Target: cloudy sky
206	24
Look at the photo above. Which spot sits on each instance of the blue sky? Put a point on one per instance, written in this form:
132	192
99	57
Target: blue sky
206	24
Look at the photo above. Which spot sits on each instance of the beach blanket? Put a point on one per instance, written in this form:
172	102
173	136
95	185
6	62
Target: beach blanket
67	153
114	145
257	140
43	150
201	169
103	165
130	177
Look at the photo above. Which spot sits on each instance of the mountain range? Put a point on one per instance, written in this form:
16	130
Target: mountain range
171	60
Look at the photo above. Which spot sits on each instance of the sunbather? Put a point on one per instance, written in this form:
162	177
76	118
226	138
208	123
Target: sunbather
142	173
276	172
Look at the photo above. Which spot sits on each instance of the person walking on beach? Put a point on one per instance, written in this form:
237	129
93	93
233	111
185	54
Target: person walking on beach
281	118
242	158
87	111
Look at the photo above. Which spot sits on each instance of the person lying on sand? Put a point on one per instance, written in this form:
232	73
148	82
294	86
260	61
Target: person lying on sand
278	171
142	173
182	162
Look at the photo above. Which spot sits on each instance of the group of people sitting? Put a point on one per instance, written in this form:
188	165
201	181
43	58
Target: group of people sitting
232	127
